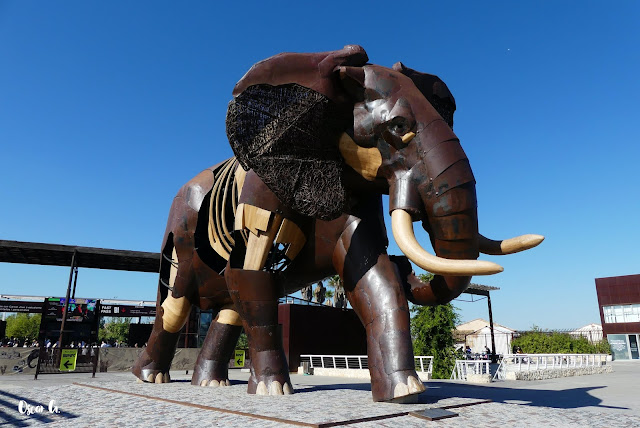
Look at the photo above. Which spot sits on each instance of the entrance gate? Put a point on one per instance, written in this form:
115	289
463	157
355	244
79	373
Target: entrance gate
52	361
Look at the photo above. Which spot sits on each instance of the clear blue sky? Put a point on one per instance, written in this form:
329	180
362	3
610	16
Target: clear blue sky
106	108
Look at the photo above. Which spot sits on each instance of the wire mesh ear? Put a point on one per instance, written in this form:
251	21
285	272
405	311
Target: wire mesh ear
288	134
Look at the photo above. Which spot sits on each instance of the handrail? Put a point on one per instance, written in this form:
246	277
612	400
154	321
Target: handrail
422	363
530	362
297	300
463	368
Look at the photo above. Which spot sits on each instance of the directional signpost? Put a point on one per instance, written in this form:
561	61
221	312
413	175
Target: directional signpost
68	360
238	360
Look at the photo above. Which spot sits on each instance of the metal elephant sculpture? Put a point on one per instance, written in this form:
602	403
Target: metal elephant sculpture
318	139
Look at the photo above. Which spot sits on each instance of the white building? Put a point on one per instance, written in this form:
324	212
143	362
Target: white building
477	334
593	332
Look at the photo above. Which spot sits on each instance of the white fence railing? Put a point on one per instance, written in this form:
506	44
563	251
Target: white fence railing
422	363
465	367
529	362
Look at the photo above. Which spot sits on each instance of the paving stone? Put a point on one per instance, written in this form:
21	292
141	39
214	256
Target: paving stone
592	401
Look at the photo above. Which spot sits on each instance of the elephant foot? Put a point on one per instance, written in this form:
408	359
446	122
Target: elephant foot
211	373
148	370
400	387
269	374
213	382
212	366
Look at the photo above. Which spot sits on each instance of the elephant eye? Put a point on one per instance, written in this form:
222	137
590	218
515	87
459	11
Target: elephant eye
398	126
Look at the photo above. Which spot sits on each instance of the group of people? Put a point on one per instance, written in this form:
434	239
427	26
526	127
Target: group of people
116	344
15	342
470	355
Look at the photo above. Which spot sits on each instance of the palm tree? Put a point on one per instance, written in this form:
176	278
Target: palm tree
335	282
329	295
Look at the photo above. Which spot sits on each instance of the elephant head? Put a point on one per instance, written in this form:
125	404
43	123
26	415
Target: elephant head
302	121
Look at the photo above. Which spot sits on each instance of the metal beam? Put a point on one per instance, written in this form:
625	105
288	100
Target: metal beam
87	257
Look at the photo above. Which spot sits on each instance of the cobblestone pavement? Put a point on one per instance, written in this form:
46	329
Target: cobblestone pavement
115	399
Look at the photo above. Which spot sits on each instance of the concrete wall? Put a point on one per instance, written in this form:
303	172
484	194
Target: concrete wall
552	374
122	359
21	360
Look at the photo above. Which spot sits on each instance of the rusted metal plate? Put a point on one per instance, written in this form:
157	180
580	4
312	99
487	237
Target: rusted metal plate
434	414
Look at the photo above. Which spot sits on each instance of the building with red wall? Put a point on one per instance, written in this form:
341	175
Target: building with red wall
619	301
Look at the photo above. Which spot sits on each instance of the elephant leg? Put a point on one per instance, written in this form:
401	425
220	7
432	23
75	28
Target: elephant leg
255	294
273	239
376	294
212	365
154	362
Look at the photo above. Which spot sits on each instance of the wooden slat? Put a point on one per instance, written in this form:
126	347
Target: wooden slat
291	234
259	246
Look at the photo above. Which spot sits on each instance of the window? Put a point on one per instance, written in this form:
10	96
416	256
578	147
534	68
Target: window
621	313
608	314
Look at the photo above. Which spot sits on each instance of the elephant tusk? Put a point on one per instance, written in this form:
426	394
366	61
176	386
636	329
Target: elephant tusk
508	246
408	137
402	228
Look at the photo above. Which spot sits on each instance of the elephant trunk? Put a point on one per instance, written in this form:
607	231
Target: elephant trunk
440	191
439	290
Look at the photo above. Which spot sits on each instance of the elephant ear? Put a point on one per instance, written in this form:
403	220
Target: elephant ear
434	90
287	132
288	135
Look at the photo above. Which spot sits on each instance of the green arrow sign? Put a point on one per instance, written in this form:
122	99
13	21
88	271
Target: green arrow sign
238	360
68	360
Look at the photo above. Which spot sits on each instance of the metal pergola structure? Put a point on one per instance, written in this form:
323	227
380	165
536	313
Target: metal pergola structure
76	257
483	290
88	257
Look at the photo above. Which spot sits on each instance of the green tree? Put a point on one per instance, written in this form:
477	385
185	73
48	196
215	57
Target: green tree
432	333
243	342
115	330
23	326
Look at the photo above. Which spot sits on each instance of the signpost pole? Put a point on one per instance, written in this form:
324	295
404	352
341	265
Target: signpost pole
42	354
66	300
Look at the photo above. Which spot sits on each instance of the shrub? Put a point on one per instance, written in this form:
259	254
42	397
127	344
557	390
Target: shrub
541	342
432	333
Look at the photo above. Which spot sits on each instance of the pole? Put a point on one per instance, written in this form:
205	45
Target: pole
66	300
494	357
75	281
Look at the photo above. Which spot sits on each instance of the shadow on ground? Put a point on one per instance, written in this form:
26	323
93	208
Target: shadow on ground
573	398
11	401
